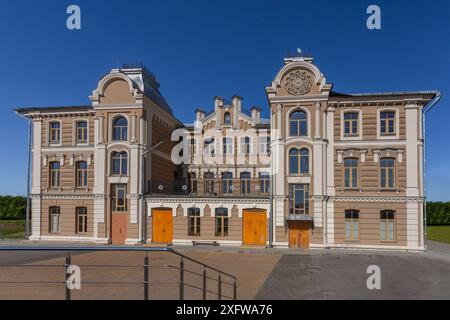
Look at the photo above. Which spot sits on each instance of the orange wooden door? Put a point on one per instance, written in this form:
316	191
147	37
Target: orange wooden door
118	228
299	234
254	227
162	226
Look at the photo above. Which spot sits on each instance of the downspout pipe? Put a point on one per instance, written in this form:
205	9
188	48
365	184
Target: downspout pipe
28	209
427	109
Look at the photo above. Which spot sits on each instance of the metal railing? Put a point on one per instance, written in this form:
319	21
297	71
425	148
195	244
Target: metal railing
214	187
207	273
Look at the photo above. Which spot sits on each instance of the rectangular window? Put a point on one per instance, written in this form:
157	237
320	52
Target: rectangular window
227	182
81	174
82	130
227	145
55	174
119	197
387	122
245	182
54	219
264	181
221	222
209	183
387	173
245	146
264	146
55	132
81	219
194	222
209	147
351	173
351	123
299	198
387	225
351	225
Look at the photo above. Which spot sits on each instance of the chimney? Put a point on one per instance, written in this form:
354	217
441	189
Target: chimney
256	114
199	114
237	102
218	103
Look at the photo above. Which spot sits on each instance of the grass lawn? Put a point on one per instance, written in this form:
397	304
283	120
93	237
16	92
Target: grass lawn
439	233
12	229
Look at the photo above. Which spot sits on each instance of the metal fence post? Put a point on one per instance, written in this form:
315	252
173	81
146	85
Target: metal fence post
234	290
219	289
182	279
68	263
146	277
204	283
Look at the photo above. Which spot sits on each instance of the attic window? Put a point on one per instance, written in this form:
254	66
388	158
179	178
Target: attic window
227	118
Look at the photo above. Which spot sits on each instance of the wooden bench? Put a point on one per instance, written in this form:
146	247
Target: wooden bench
205	243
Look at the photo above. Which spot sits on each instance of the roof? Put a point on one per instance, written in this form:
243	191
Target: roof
383	94
54	108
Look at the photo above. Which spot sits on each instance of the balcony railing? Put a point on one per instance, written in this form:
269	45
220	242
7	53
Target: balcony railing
148	272
211	187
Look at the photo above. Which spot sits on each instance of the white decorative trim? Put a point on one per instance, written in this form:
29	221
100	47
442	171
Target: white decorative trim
360	125
397	124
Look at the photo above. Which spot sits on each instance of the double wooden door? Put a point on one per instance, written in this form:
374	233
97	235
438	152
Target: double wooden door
299	234
254	227
162	226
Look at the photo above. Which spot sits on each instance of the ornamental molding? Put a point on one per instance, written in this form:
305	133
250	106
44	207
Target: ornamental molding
248	201
67	196
298	83
377	199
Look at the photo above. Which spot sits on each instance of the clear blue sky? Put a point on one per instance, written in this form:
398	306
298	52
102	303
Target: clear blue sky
199	49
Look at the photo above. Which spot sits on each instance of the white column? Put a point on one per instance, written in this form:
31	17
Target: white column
412	176
100	172
100	129
317	131
330	176
133	128
278	168
36	181
135	185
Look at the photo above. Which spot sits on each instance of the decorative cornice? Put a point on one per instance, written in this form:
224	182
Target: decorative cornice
206	200
376	199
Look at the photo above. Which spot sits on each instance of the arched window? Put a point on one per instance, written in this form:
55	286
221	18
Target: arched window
299	161
227	118
81	174
120	129
119	163
298	124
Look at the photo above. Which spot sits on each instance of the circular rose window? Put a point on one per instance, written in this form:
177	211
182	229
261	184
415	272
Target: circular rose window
298	83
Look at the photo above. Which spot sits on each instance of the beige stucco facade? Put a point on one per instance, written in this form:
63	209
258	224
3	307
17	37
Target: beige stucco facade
335	170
